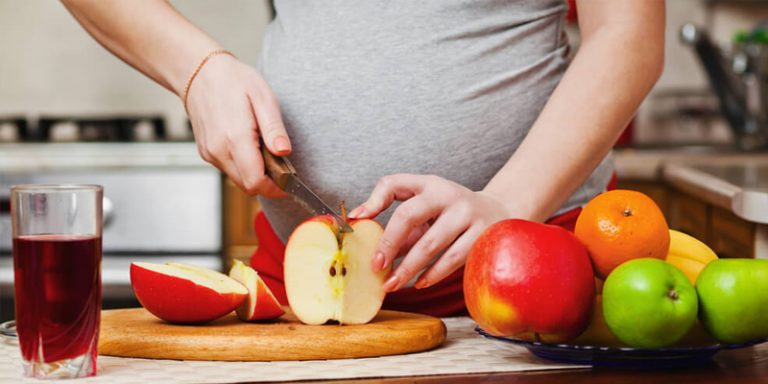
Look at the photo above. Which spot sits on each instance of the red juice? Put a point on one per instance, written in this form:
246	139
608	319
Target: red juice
58	295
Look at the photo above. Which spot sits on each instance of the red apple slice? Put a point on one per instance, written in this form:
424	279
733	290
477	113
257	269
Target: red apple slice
328	274
181	293
261	304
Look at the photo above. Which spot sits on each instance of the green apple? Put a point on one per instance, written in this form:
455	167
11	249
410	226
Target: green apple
733	295
649	303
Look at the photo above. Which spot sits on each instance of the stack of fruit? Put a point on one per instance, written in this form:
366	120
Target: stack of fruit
622	279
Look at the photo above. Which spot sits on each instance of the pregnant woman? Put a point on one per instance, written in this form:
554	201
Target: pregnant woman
464	112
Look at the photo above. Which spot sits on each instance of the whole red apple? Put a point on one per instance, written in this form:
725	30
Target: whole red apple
530	281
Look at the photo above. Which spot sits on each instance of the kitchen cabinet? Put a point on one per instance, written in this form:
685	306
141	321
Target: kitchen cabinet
730	235
240	240
688	214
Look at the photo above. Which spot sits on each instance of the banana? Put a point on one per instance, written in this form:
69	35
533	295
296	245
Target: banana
689	254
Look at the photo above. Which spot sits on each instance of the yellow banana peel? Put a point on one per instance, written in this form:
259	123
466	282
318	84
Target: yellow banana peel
689	254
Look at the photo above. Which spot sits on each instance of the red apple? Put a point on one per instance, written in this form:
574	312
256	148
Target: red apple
181	293
261	304
530	281
328	273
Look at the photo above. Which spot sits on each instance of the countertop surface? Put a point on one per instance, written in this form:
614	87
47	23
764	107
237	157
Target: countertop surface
463	353
732	180
37	157
465	358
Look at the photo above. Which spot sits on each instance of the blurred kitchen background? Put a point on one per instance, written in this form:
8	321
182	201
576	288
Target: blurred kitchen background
72	112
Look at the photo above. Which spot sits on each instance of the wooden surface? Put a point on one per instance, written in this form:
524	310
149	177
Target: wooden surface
742	366
136	333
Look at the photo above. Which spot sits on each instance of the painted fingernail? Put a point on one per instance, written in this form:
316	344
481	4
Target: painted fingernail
392	284
357	212
281	144
421	283
378	262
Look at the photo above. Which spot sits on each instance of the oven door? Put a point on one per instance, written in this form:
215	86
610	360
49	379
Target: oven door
153	210
154	214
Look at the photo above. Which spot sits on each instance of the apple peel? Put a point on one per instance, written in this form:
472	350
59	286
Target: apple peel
181	293
261	304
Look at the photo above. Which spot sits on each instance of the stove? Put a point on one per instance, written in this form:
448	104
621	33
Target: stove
161	201
85	128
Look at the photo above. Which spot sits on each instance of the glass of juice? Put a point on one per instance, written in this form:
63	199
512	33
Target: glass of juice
57	277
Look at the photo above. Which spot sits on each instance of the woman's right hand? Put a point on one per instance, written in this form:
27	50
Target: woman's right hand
230	106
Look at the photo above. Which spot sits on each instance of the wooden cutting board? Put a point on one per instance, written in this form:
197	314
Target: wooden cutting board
137	333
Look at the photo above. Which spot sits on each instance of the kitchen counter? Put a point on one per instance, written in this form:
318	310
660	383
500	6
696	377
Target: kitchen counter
737	182
741	188
745	366
465	357
36	157
463	352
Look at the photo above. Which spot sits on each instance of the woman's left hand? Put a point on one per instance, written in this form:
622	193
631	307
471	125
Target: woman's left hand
438	218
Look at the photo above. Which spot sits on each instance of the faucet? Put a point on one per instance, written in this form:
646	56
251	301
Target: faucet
740	81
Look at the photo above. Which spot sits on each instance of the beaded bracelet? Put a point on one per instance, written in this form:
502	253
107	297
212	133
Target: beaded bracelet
197	70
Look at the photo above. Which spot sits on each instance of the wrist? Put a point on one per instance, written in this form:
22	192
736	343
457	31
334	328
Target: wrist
515	205
202	70
178	68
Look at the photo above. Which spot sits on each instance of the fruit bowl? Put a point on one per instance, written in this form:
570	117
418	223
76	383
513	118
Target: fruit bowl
624	357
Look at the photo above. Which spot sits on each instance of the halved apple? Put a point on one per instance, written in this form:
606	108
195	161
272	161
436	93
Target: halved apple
328	273
182	293
261	304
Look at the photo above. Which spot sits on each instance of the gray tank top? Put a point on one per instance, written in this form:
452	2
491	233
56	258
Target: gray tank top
443	87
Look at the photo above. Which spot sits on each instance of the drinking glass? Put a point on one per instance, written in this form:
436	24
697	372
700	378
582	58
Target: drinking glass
57	277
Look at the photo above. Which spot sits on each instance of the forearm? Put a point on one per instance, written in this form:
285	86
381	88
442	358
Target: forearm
613	71
150	35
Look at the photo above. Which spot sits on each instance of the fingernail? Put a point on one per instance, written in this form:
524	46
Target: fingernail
392	283
378	262
421	283
385	264
357	212
281	144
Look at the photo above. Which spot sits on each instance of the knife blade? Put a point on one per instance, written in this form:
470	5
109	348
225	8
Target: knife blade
282	172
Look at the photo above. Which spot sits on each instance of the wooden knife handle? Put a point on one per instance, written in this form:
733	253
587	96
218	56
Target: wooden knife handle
276	167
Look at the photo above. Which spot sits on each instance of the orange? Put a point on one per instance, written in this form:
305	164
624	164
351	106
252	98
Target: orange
622	225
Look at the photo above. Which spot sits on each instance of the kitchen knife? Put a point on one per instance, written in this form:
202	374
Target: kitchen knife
282	172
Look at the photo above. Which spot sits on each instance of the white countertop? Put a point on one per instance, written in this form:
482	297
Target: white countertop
37	157
735	181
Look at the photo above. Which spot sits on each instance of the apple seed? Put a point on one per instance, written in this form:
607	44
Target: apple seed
332	271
